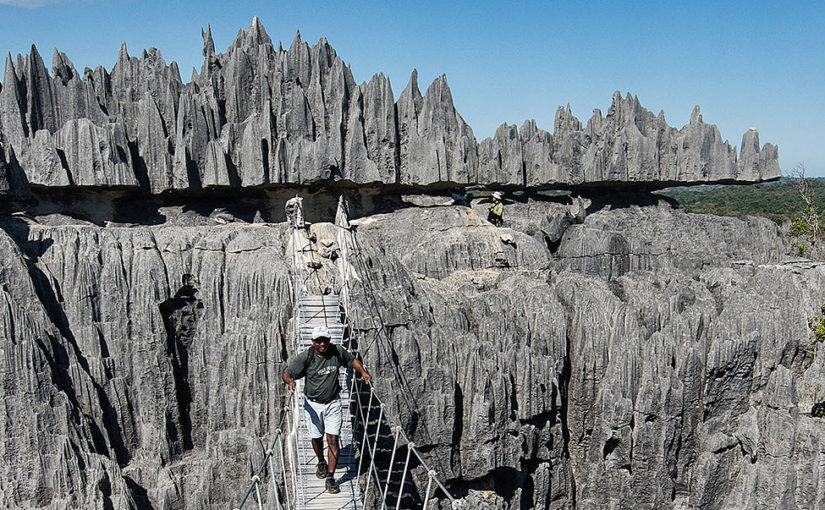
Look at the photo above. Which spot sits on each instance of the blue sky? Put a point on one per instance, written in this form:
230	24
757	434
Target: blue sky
746	63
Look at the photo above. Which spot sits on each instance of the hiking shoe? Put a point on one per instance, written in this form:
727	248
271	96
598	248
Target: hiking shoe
331	487
321	472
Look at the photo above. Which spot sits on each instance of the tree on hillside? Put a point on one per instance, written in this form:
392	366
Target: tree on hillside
806	228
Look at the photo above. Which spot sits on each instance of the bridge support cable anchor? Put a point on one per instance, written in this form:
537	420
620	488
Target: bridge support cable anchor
397	431
410	447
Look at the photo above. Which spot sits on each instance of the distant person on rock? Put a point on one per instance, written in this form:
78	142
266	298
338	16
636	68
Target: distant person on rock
319	364
494	216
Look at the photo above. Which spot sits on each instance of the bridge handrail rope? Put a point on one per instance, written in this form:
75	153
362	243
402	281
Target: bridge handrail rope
290	408
347	236
288	447
267	461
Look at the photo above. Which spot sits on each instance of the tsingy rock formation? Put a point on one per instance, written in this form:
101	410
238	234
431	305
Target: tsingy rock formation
257	116
604	350
613	353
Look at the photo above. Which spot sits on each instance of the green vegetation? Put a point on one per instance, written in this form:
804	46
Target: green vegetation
818	409
817	325
799	228
779	201
802	231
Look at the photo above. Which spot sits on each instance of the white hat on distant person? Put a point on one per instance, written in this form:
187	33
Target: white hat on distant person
497	195
320	332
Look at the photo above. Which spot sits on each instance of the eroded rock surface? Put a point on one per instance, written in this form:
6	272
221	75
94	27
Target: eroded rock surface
591	353
658	359
117	339
260	116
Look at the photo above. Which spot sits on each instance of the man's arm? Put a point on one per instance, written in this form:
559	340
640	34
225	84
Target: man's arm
360	368
287	377
296	367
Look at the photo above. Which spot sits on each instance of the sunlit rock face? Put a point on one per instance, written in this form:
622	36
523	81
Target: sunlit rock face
260	116
600	350
593	352
647	359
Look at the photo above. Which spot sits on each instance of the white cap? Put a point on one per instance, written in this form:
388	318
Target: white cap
320	332
497	195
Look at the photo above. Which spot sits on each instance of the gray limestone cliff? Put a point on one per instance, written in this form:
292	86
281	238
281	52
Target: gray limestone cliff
602	349
257	116
591	353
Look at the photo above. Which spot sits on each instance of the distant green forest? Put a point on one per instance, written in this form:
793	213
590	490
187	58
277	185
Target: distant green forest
780	201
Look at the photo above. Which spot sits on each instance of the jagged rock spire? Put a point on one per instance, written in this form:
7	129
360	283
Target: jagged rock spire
208	43
259	117
123	53
251	38
62	67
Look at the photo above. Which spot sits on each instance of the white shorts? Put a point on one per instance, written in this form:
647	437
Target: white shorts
323	418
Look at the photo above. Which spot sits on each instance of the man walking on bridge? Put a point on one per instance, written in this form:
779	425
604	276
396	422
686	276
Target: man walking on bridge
319	364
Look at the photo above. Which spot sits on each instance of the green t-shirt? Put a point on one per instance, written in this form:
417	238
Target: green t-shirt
321	372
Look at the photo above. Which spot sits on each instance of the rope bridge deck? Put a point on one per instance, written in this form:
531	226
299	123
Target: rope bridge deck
285	479
325	311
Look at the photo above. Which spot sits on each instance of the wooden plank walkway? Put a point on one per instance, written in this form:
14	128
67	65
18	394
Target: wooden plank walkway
324	311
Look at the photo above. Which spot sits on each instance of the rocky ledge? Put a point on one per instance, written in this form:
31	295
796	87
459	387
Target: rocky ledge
257	116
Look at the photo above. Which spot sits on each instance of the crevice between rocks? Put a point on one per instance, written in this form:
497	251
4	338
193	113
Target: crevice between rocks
180	318
139	494
138	166
564	383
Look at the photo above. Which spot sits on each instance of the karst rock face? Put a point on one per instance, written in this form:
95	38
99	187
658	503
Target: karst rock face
600	350
589	354
257	116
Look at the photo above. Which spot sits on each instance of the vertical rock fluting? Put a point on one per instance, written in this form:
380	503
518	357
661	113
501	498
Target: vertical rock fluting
651	359
5	184
664	369
439	145
57	450
260	116
158	346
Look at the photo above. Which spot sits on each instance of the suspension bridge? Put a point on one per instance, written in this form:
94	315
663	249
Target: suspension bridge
369	476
